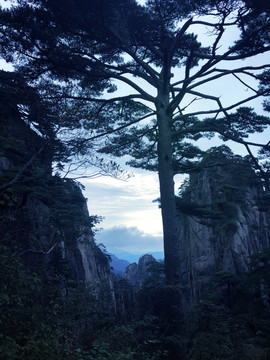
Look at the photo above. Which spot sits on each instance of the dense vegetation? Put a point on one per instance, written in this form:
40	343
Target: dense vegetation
210	330
47	315
46	311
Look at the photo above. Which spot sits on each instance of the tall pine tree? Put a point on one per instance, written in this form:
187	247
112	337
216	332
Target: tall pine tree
89	47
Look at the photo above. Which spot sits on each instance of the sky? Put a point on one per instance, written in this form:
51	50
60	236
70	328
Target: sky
131	220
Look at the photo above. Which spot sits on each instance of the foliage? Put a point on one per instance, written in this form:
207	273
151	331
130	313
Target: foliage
231	322
53	129
45	312
234	315
76	54
31	313
126	342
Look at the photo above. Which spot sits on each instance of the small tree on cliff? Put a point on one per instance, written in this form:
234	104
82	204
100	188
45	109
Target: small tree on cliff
90	47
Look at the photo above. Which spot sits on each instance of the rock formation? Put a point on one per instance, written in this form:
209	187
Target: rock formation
223	218
45	215
136	274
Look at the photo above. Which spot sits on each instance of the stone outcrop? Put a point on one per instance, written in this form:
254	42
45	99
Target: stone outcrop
136	274
223	219
87	262
46	215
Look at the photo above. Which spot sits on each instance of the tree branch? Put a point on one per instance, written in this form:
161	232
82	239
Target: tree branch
124	68
136	87
179	36
97	100
119	128
20	172
40	252
149	70
225	72
221	109
258	167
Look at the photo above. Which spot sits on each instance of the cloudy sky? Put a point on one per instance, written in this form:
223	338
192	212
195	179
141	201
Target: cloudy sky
132	221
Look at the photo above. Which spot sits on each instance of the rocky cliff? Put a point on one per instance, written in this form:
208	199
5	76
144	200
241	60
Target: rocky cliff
45	216
136	274
223	219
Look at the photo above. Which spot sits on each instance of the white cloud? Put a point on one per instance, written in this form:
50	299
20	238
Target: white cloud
126	203
129	239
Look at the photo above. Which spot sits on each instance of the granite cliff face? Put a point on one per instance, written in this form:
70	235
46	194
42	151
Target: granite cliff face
45	216
223	219
136	274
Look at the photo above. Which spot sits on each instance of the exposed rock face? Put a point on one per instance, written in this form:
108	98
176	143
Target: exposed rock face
223	221
137	274
87	261
48	215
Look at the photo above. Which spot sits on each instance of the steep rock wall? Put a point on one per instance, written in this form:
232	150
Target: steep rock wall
222	221
136	274
45	215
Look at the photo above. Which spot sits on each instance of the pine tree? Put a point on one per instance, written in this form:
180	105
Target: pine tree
88	48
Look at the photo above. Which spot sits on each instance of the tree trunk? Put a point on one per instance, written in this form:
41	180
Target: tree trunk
167	196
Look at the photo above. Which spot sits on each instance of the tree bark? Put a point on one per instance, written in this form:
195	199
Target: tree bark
167	195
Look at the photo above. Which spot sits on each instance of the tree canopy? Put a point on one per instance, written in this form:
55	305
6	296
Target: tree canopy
80	53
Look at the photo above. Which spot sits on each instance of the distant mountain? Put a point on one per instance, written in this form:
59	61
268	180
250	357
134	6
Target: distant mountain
136	274
135	257
118	265
123	259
